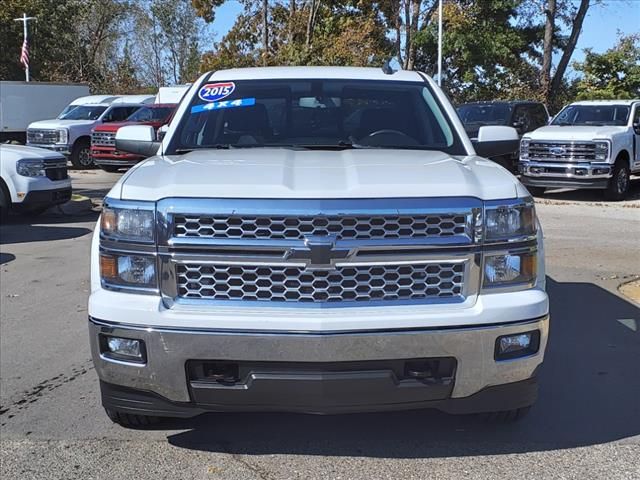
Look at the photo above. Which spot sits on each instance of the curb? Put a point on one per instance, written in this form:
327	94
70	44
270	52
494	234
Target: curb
631	290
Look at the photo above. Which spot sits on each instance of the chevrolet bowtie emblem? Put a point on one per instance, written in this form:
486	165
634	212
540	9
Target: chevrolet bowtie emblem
320	252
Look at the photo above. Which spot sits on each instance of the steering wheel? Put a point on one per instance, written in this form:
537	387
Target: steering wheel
388	131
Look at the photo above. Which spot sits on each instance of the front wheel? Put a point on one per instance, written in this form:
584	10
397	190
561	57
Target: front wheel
81	155
618	186
130	420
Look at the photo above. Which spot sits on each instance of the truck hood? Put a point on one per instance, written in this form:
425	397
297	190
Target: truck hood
55	123
285	173
556	132
17	152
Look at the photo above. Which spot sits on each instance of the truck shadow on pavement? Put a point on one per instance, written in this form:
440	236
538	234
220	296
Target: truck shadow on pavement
589	395
591	196
47	227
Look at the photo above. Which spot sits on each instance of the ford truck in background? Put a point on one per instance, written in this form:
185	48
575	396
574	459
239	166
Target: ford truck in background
321	240
103	137
589	144
70	133
24	102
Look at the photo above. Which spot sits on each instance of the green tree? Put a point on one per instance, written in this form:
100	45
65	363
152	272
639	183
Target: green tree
612	74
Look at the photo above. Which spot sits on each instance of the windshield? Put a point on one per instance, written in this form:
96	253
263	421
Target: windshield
496	114
84	112
316	114
66	110
148	114
593	115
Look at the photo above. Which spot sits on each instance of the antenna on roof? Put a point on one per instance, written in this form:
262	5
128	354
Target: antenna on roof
387	69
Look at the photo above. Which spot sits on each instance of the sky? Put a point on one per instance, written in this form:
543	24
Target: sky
600	30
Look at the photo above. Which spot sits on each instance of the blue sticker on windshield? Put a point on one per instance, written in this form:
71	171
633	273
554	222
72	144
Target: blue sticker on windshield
241	102
212	92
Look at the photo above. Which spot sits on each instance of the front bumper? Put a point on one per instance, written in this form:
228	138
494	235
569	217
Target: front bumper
35	199
565	175
320	381
61	148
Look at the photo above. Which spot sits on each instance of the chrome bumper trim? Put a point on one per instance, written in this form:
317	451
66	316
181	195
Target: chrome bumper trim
564	170
168	349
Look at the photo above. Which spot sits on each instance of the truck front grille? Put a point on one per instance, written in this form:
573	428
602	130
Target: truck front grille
106	139
340	227
40	136
56	169
341	284
562	151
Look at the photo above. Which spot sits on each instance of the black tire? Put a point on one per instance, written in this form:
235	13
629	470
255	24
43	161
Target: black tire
110	168
129	420
5	204
508	416
81	155
619	183
536	191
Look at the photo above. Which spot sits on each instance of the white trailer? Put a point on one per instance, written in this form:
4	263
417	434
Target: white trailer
22	103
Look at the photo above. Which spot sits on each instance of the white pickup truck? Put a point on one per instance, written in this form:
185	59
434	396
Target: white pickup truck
70	133
589	144
318	240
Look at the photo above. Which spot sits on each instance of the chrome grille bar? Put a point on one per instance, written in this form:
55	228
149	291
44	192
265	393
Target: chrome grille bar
42	136
103	139
562	151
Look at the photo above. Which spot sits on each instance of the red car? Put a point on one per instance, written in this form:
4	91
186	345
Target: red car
103	137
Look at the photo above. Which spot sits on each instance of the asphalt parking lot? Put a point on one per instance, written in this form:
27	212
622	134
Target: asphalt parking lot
586	423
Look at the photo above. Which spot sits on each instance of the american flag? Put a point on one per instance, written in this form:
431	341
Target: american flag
24	54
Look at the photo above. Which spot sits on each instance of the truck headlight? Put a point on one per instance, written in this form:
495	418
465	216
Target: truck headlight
510	221
128	224
601	151
128	270
524	148
507	269
63	136
31	168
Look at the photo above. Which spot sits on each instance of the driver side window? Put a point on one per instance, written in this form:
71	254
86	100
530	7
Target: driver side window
636	119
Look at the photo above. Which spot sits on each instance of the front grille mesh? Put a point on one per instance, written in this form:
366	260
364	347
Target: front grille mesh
341	227
342	284
56	170
563	152
103	139
41	136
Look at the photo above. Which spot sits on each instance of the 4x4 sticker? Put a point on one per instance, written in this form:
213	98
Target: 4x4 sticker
212	92
241	102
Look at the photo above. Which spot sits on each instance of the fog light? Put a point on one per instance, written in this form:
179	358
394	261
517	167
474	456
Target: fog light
517	345
127	349
581	171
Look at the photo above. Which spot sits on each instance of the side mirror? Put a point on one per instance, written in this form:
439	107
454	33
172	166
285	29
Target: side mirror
137	139
162	131
496	141
636	128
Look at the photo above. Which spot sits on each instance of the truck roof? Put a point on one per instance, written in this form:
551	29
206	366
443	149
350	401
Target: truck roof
94	100
339	73
606	102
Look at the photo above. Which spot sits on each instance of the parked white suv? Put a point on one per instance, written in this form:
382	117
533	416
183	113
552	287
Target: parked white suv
31	179
316	240
70	133
590	144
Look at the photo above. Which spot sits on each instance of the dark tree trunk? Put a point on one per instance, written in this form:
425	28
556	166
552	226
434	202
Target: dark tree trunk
265	31
576	28
547	50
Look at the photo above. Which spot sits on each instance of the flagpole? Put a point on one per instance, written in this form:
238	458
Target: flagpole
439	43
25	21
